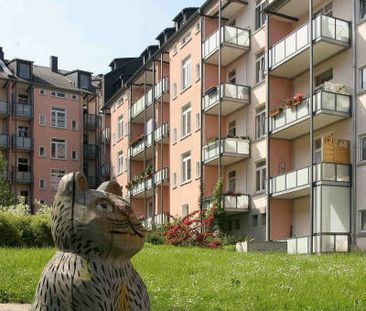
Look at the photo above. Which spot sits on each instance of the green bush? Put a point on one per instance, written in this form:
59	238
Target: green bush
25	230
155	237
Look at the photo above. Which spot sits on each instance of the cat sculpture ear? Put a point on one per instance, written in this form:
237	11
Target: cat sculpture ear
111	187
71	182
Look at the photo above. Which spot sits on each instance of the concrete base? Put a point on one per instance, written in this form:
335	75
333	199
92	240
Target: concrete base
246	247
14	307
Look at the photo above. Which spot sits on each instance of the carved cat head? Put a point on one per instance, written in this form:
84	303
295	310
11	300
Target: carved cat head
95	223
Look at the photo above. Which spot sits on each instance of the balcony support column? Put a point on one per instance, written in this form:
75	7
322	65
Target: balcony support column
202	115
153	138
162	136
144	160
311	105
219	83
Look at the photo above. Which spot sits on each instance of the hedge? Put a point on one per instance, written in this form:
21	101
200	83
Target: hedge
25	231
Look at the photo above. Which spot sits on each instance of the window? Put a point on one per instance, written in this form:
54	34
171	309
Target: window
58	148
185	210
363	8
232	181
23	131
186	167
58	117
260	17
120	127
260	68
23	165
363	148
42	92
363	76
317	151
186	73
174	136
42	120
58	94
56	175
74	155
260	122
186	38
174	90
198	72
119	163
84	81
324	77
232	129
23	99
42	184
186	120
232	77
326	10
198	169
237	224
74	125
42	151
263	219
198	121
24	71
174	180
126	128
74	97
363	220
260	176
255	220
198	26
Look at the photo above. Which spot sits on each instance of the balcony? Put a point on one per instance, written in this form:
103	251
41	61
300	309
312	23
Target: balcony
231	150
146	101
90	121
329	107
90	151
162	133
138	147
22	143
296	184
231	203
4	141
22	110
22	177
290	56
144	185
4	109
106	136
106	170
235	42
233	98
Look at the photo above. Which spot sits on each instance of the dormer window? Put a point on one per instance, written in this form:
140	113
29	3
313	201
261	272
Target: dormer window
84	81
24	71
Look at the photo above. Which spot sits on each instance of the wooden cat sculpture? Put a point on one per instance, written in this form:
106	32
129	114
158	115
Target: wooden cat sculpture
96	234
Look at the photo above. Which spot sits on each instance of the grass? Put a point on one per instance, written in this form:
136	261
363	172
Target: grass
200	279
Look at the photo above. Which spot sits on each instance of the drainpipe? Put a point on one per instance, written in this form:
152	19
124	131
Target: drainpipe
153	142
219	78
202	115
162	137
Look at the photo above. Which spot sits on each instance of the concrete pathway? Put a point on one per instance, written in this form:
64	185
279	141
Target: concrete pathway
14	307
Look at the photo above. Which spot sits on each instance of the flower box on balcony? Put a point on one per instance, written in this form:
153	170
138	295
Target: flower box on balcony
275	111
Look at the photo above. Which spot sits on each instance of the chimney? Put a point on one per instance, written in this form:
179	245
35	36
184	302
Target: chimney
54	63
1	53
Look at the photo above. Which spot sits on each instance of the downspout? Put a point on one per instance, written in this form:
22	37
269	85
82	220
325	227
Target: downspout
162	136
202	23
219	84
153	141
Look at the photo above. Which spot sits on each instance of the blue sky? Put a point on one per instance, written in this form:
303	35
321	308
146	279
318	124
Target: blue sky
84	34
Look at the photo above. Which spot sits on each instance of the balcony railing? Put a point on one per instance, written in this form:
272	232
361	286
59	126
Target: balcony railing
90	121
326	172
4	108
325	27
22	110
4	141
229	91
161	132
106	135
234	36
161	88
22	177
147	184
20	142
149	222
90	151
161	176
323	101
230	146
138	147
235	202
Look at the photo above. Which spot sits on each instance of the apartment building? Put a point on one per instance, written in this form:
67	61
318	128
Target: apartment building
253	101
48	126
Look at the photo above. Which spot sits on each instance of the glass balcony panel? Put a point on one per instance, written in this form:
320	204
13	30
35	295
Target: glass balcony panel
230	35
328	101
230	145
280	120
291	180
328	27
343	103
303	109
291	44
303	177
342	31
230	90
290	115
279	52
328	172
343	173
230	201
243	37
3	107
302	37
280	183
243	201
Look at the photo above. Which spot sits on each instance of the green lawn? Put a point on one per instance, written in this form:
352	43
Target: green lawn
199	279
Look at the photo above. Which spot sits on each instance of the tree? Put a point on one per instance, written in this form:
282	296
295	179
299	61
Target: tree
6	196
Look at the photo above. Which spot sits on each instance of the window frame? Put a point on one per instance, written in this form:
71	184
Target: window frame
260	17
362	140
119	162
58	111
58	142
59	174
186	120
261	168
260	67
260	122
186	73
186	167
40	120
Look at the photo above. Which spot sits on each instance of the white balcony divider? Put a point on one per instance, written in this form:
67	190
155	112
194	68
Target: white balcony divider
4	140
161	132
324	27
228	91
234	146
4	107
330	172
230	35
325	101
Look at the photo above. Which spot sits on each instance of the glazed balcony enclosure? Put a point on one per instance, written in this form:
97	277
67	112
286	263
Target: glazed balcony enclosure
234	43
137	148
233	98
22	143
145	185
4	109
290	56
22	110
232	203
21	177
147	100
296	184
231	150
328	106
4	141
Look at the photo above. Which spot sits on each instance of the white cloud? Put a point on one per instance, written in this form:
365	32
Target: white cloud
37	29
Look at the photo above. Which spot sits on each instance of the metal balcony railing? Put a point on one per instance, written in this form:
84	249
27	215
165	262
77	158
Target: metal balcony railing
22	177
4	141
230	35
21	142
147	183
161	132
4	108
22	110
139	146
90	121
323	101
161	176
90	151
326	27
